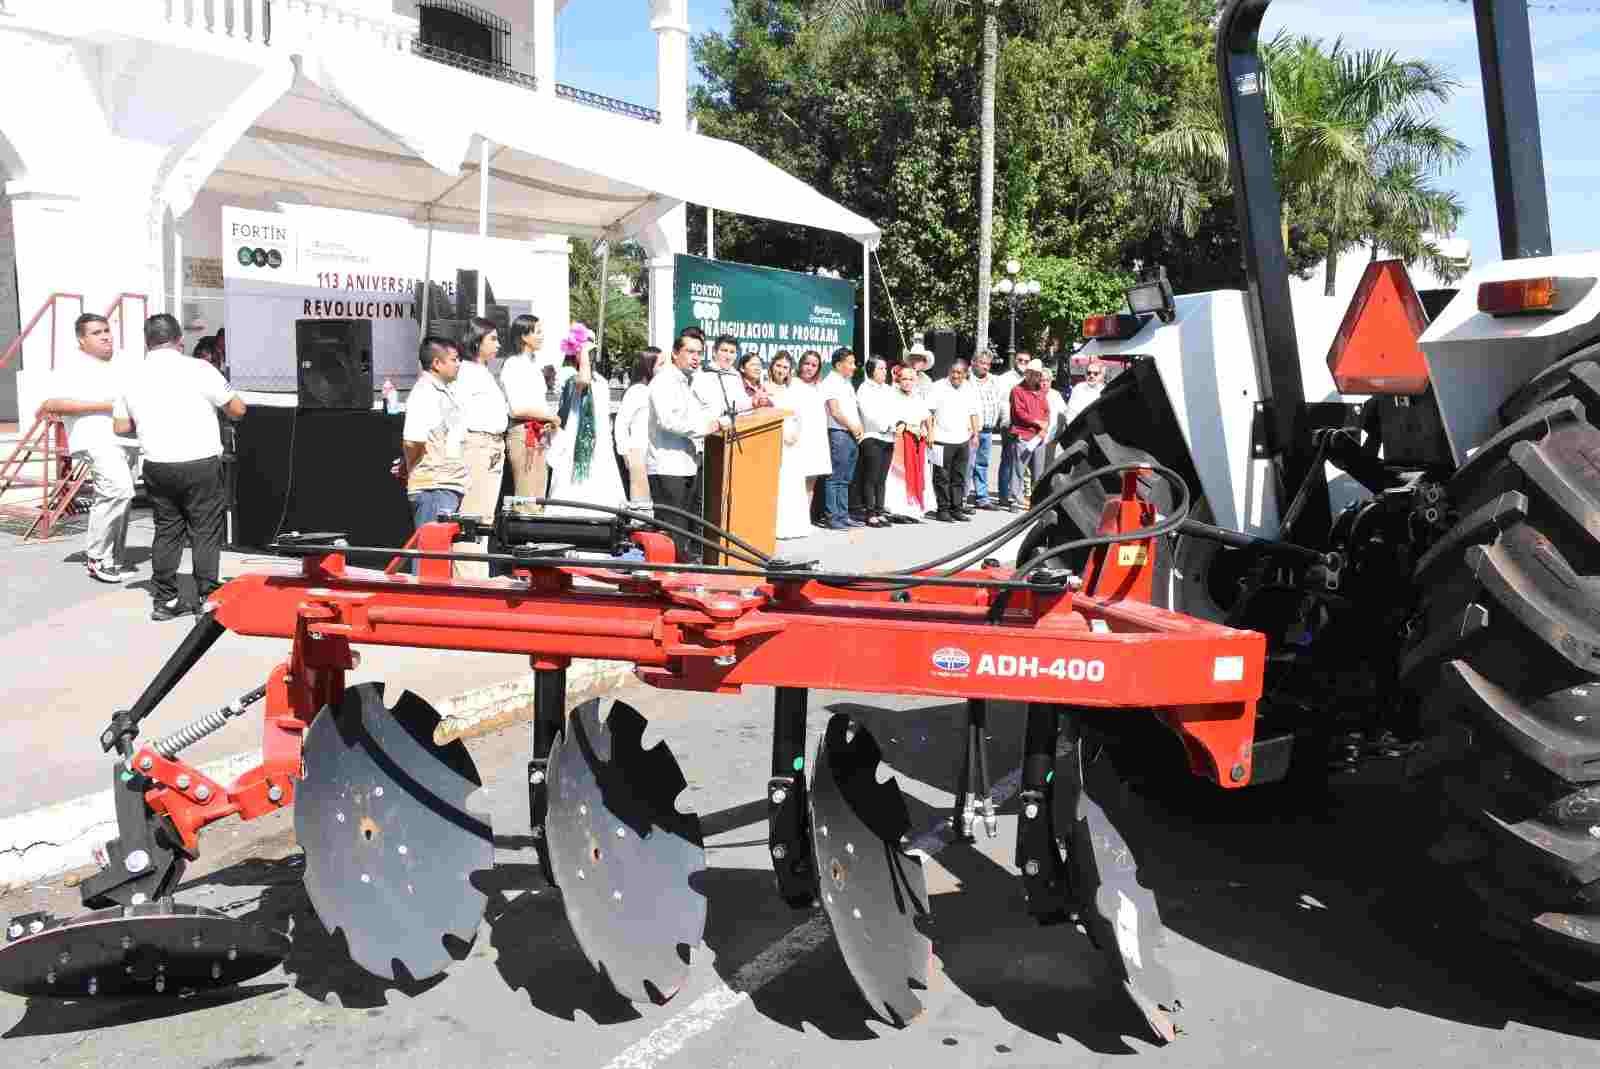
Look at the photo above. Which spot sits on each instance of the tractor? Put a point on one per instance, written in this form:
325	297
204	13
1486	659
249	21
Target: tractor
1187	567
1411	519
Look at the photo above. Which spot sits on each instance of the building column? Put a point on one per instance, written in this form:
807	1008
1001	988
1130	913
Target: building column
544	46
670	21
662	327
550	290
669	235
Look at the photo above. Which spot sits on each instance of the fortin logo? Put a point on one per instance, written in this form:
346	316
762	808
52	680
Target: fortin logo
258	257
951	660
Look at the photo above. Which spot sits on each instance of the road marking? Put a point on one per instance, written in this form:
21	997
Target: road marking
707	1011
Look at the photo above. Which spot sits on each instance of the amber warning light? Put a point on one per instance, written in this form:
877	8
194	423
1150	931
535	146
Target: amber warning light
1376	348
1112	327
1525	296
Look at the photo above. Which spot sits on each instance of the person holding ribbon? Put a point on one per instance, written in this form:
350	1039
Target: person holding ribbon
581	467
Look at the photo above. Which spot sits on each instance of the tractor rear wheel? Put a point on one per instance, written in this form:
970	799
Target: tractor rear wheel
1505	659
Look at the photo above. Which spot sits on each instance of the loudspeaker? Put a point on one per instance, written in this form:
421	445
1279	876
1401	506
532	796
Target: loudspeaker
942	343
333	361
318	470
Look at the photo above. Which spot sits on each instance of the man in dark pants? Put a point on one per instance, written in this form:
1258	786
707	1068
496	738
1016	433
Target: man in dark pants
844	438
677	421
956	417
171	402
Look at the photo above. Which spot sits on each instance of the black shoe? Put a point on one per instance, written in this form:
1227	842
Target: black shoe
965	514
944	517
171	610
897	518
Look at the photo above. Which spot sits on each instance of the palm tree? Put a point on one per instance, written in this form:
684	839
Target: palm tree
1354	144
1382	147
834	19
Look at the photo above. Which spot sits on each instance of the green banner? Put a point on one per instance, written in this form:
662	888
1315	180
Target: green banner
765	308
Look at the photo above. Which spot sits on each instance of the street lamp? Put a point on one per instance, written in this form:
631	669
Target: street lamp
1015	290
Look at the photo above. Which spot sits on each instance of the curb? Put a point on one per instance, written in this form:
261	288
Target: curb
53	839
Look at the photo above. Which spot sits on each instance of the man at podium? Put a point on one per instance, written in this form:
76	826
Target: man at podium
678	424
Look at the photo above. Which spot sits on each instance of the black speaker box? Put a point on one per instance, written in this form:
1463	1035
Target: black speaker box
333	362
942	343
318	470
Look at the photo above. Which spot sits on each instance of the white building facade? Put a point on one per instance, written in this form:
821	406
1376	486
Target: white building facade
126	126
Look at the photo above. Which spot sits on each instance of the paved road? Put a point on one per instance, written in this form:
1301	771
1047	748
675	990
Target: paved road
1304	929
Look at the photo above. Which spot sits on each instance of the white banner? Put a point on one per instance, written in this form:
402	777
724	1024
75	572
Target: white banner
279	268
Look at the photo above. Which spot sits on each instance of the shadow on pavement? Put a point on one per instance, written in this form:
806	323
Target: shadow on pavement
1334	889
50	1017
318	960
538	954
794	977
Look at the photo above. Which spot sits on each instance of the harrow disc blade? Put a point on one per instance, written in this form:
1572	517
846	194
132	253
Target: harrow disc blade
389	842
872	890
155	948
622	853
1121	913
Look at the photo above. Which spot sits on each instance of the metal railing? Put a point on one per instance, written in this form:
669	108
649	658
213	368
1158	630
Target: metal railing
487	68
118	313
48	306
605	103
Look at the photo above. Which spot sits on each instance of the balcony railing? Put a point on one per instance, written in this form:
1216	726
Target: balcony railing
285	22
612	104
487	68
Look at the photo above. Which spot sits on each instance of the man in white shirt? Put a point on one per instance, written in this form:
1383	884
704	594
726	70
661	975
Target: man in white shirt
720	389
955	424
1088	391
172	400
678	425
86	390
844	440
993	414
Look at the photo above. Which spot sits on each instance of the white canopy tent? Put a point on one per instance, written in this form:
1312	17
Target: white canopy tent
364	132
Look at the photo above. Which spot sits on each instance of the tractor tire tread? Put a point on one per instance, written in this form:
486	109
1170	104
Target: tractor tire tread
1577	375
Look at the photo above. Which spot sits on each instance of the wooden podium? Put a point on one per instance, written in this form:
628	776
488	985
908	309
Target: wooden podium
741	480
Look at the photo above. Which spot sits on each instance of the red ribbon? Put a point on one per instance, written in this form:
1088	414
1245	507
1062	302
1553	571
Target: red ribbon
916	461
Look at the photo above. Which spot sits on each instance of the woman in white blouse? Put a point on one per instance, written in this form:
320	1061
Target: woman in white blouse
805	399
484	404
527	399
794	502
632	427
879	416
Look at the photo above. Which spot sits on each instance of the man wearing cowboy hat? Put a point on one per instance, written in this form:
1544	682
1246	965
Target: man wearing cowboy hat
919	359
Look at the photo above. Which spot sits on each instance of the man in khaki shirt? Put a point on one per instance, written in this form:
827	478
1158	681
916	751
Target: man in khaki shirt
435	464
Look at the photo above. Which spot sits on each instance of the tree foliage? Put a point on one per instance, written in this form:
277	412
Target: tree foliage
627	324
1105	156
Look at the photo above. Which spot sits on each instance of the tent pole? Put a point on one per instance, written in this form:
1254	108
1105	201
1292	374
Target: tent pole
427	278
866	304
605	284
175	306
483	223
711	233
